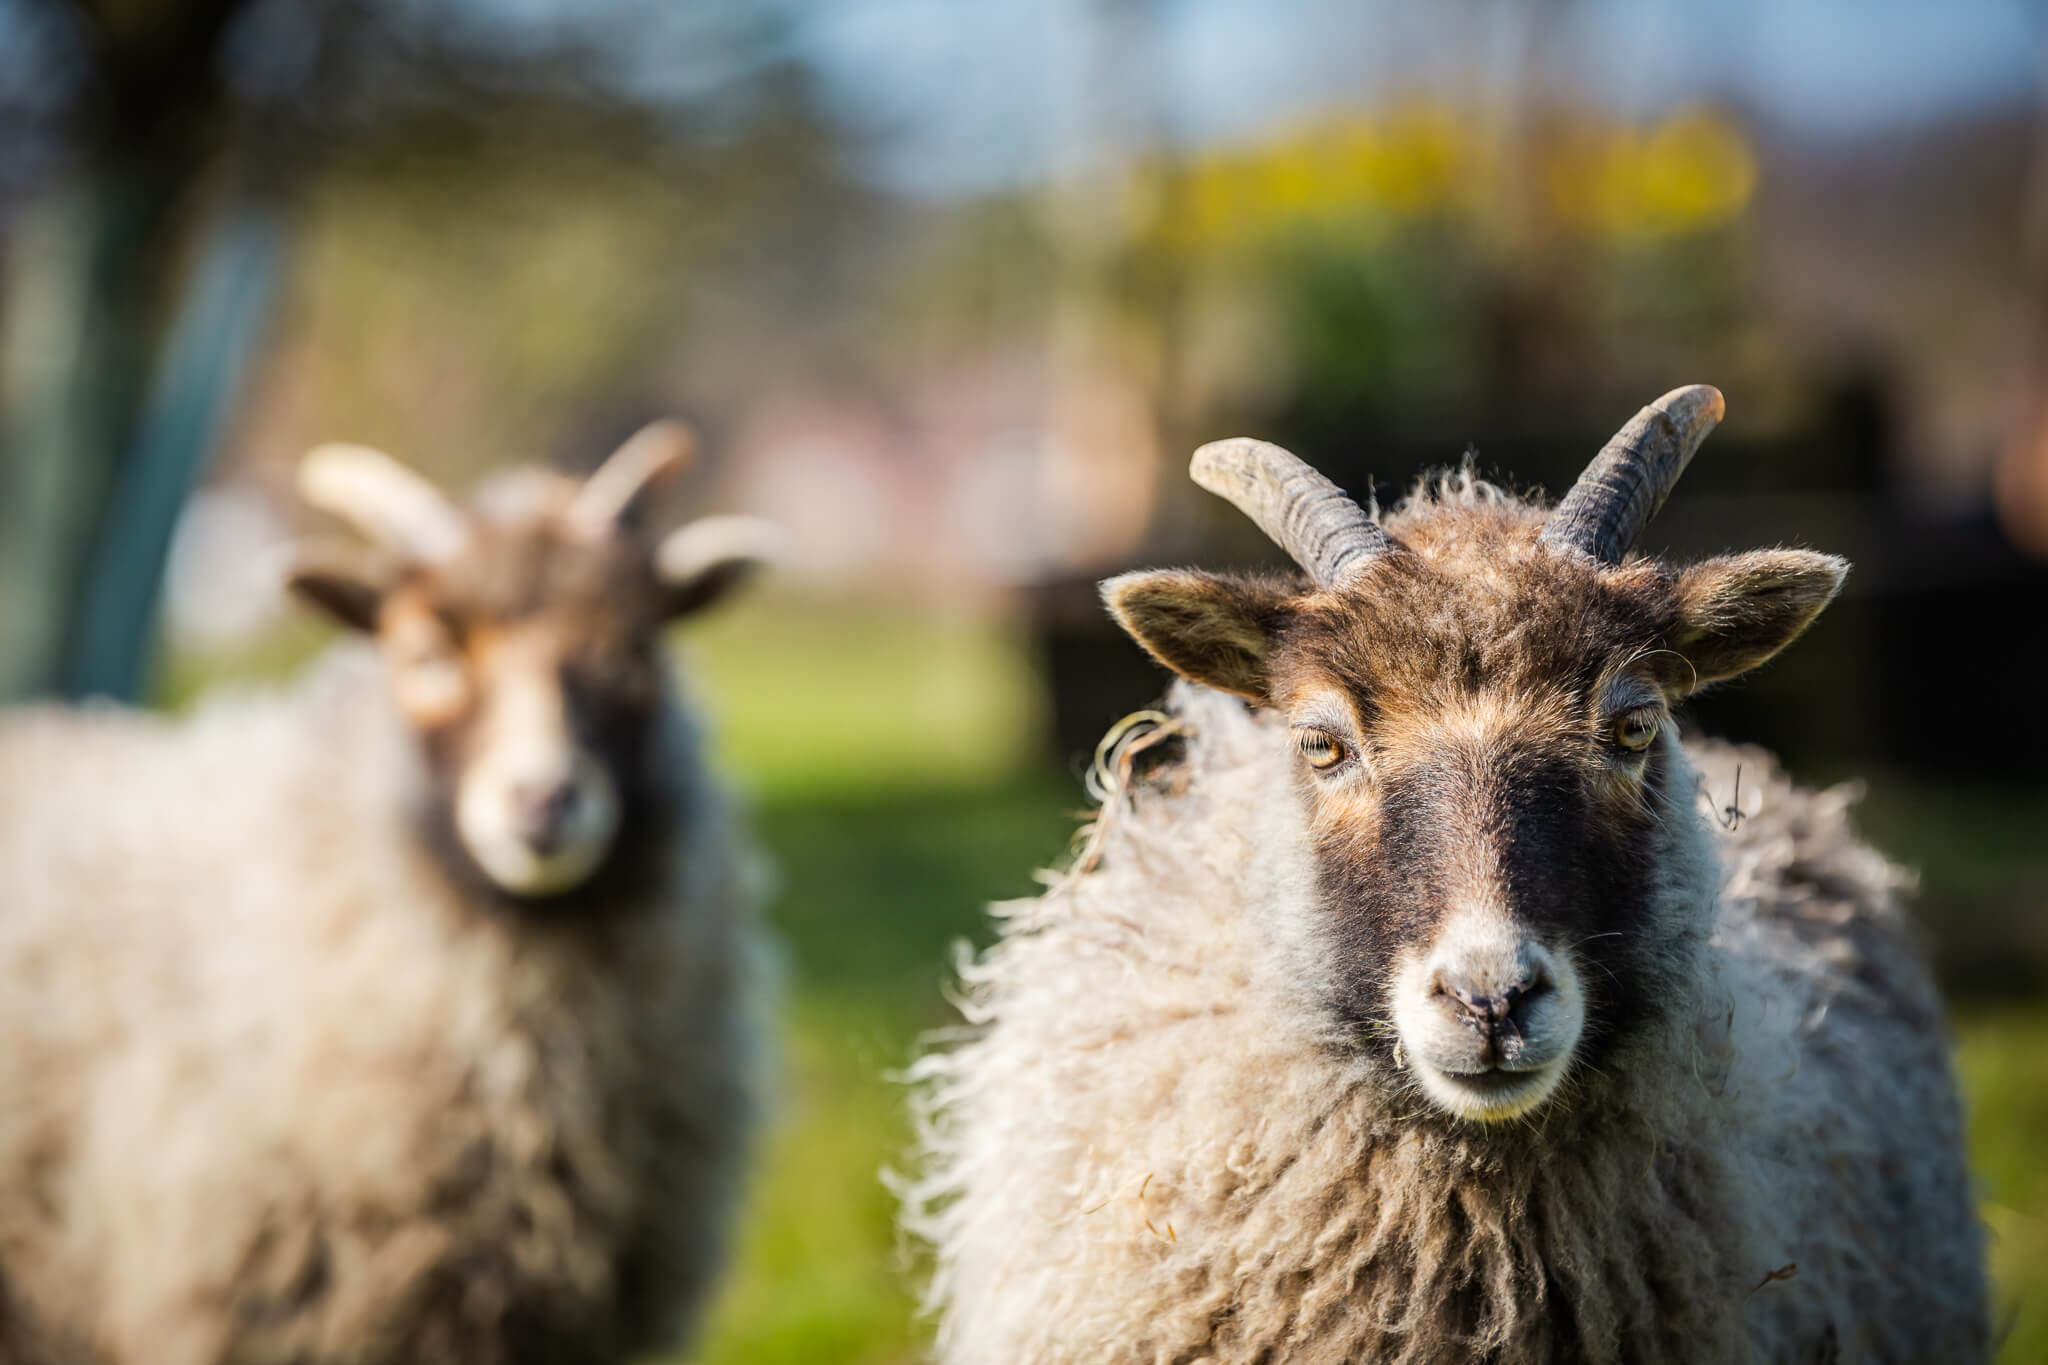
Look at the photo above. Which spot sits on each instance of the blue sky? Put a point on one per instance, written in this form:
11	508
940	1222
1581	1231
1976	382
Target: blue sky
970	94
974	93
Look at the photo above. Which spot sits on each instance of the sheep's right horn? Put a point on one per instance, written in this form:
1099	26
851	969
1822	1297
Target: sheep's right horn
383	499
1632	475
1305	514
649	456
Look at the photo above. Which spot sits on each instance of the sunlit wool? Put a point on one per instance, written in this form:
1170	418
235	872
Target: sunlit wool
1155	1145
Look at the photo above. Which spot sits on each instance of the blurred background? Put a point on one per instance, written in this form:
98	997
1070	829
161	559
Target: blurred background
951	291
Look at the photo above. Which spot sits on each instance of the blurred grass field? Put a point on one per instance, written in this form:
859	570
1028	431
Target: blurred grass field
897	785
899	779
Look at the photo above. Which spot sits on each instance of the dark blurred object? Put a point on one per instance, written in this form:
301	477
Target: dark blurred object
1096	675
1939	623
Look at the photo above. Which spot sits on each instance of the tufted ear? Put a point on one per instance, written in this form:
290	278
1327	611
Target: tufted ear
1736	611
704	561
1208	628
346	583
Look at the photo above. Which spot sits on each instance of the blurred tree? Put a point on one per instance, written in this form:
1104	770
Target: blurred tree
1114	301
91	491
170	141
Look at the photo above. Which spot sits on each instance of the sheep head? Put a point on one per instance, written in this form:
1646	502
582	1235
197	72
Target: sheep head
520	638
1478	694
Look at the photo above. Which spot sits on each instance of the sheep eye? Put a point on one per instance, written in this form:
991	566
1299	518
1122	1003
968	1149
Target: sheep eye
1635	731
1322	749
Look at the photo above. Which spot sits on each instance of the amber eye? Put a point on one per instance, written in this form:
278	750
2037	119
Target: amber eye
1635	731
1322	749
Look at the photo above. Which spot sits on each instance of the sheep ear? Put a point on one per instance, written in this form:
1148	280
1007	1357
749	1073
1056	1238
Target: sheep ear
345	583
704	561
1209	629
1736	611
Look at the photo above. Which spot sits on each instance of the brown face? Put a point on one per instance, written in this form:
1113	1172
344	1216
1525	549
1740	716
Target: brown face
528	668
1484	761
525	655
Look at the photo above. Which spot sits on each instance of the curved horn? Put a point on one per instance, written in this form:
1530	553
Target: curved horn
1631	476
1304	513
609	496
383	499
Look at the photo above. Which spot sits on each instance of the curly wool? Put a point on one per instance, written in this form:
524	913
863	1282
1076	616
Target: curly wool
1151	1147
279	1091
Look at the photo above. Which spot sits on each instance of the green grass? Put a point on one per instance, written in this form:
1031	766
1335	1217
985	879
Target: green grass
874	892
892	764
818	700
2004	1062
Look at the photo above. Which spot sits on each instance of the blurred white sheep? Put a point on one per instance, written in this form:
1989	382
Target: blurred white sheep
404	1015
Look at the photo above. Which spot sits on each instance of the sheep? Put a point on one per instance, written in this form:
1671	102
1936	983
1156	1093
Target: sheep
1435	1002
407	1014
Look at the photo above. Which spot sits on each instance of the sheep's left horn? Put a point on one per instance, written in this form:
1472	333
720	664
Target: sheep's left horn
608	497
1632	475
383	499
1305	514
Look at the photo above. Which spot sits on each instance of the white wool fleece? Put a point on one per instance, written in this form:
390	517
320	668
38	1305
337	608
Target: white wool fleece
1151	1147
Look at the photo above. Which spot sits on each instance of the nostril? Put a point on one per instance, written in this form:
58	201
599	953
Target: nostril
1518	998
563	800
543	809
1475	1003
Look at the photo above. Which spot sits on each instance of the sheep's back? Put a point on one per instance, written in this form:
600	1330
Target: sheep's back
1851	1107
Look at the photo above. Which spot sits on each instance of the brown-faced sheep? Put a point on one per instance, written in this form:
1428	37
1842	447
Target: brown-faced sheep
405	1015
1424	1010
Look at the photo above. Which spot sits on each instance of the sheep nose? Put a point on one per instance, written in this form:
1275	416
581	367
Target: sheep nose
543	809
1496	1011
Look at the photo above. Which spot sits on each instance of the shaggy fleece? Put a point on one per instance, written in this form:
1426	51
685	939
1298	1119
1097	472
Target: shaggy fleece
272	1089
1150	1146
